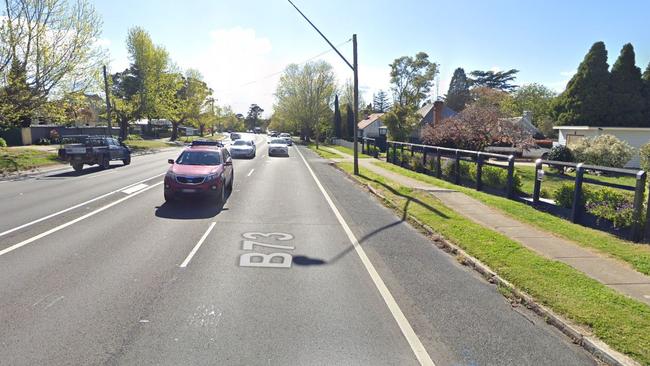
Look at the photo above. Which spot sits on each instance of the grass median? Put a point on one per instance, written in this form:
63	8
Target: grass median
638	255
14	160
322	152
619	321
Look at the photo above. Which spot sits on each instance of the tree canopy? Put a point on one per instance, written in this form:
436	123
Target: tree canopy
412	79
380	102
500	80
627	103
458	94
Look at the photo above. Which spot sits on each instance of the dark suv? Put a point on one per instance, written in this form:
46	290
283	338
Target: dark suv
200	170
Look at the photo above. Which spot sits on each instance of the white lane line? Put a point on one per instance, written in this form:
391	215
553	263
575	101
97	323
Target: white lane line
75	206
197	246
416	345
72	222
135	188
91	176
251	172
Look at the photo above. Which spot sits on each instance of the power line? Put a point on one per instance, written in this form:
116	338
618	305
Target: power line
281	71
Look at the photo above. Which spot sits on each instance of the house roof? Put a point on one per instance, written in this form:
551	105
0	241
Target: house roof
368	121
427	113
601	128
523	122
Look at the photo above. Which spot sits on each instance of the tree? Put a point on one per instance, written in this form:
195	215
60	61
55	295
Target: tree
304	95
626	100
349	122
412	79
586	98
500	80
254	113
646	88
380	102
46	47
401	120
337	117
190	97
124	90
475	128
535	98
494	98
458	94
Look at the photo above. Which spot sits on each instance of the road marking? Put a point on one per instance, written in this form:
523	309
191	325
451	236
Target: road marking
251	172
55	301
197	246
100	174
72	222
75	206
135	188
416	345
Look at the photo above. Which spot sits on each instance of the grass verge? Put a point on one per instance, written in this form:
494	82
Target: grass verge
638	255
146	144
13	160
322	152
619	321
348	151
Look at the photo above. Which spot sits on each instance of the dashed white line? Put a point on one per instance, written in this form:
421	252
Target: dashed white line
135	188
412	338
72	222
197	246
76	206
251	172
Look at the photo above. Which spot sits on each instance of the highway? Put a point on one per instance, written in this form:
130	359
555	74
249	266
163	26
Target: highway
300	267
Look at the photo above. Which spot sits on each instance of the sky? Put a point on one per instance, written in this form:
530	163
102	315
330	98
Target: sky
242	46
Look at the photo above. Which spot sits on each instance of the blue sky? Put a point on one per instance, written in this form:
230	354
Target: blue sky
239	46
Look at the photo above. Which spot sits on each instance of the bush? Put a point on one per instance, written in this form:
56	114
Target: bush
3	143
605	150
561	153
491	176
644	154
604	203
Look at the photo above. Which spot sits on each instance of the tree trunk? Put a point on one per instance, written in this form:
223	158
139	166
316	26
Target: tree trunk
174	131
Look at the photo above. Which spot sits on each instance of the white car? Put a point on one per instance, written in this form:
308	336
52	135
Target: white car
278	146
287	138
243	149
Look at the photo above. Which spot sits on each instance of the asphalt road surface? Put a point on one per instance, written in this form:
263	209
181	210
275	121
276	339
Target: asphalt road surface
301	267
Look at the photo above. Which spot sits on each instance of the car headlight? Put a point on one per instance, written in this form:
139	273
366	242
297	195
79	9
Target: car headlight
212	177
170	175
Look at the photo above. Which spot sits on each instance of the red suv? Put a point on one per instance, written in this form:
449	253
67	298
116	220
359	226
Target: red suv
200	170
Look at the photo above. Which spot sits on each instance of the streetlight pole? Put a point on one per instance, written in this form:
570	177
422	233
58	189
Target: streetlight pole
355	68
108	102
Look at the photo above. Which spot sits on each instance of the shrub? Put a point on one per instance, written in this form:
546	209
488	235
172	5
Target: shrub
644	154
416	162
560	153
604	203
605	150
133	137
491	176
3	143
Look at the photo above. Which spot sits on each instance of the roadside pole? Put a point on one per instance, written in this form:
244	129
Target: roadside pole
355	70
108	103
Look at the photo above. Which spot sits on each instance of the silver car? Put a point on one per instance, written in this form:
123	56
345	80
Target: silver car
278	146
287	138
243	149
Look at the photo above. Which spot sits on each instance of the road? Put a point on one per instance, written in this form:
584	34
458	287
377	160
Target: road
97	269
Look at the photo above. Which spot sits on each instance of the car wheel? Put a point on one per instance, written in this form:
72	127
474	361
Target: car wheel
77	167
105	162
231	184
127	160
544	156
221	195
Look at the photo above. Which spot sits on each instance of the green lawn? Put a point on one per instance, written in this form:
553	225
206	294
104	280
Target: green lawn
347	150
12	160
619	321
146	144
638	255
322	152
553	180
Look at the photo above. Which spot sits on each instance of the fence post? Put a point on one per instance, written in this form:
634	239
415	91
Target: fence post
394	153
363	144
424	159
457	166
636	232
401	156
576	211
438	167
510	186
479	171
538	180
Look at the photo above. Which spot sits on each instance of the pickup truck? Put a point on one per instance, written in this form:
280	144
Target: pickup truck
94	150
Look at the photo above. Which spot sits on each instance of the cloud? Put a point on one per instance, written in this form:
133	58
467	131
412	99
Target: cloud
238	65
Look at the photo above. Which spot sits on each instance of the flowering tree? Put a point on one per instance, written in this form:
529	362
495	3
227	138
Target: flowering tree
475	128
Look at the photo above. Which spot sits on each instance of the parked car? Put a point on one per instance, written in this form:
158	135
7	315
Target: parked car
200	170
235	136
287	138
258	130
243	149
534	152
278	146
93	150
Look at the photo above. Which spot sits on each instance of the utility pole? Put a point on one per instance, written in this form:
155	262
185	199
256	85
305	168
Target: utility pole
108	103
355	68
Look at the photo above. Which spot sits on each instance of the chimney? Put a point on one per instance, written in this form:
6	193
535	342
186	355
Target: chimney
437	111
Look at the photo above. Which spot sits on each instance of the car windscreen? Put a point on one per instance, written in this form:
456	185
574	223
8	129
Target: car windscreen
241	142
278	141
199	158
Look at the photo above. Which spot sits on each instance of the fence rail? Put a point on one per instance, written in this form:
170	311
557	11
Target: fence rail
402	154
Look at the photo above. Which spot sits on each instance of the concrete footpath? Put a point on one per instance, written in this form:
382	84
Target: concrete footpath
611	272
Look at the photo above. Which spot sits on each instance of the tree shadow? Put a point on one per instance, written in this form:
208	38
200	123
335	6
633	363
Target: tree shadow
303	260
85	171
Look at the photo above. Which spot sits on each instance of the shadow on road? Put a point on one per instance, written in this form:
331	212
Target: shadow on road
189	209
307	261
85	171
